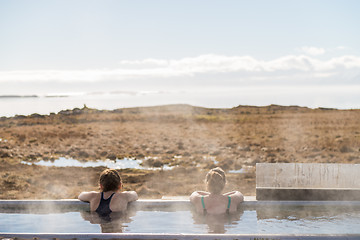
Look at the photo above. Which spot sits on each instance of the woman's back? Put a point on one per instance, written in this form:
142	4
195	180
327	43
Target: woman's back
110	199
118	202
216	203
213	202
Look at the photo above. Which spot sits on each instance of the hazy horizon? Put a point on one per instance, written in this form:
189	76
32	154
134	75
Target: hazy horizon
230	53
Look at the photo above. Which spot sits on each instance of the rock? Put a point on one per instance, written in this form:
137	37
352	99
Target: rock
252	161
224	166
158	164
32	156
153	163
19	117
5	154
186	154
181	146
245	149
83	154
156	151
103	153
36	115
345	149
140	156
111	156
216	153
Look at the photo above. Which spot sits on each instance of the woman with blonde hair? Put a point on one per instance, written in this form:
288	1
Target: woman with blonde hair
214	201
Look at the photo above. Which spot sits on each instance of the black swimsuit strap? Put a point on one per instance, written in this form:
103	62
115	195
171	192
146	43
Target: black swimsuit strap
109	198
104	205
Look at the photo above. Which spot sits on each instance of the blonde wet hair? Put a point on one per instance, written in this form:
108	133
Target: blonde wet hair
215	180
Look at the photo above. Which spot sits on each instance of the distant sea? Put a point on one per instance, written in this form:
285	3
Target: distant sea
11	105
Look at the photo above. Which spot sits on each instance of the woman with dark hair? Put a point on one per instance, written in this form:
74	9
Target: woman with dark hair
110	199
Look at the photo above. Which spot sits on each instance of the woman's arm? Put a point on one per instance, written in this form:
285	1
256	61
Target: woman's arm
235	195
86	196
230	193
197	194
131	196
201	193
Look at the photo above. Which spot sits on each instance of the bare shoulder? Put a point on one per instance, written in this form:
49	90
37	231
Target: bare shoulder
121	199
196	196
129	196
236	196
88	196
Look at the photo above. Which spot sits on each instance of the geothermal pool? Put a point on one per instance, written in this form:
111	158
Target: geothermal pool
259	218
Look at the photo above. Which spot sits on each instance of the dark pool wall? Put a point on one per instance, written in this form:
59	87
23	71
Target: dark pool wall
315	194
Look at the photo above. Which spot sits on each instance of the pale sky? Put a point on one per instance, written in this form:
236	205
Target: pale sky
163	44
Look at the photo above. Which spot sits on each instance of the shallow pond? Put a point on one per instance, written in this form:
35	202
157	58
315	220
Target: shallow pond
115	164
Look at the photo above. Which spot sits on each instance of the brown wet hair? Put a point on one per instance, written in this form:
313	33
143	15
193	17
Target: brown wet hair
215	180
110	180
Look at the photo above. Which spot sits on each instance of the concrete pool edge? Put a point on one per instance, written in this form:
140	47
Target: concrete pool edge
93	236
74	205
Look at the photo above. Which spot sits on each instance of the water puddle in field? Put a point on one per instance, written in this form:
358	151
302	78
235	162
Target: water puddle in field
115	164
244	169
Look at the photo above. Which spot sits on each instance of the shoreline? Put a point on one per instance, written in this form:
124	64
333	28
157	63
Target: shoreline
74	109
27	105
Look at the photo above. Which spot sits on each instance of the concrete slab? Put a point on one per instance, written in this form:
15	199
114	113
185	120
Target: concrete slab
307	181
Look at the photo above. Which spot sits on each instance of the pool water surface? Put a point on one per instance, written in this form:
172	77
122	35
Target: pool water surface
254	220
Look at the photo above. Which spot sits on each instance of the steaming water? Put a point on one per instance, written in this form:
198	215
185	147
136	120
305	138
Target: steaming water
283	220
117	164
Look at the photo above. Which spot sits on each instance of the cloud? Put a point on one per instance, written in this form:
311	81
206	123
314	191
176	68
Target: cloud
313	51
341	48
316	51
288	67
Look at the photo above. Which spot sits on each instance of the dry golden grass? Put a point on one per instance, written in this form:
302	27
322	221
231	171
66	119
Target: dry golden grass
233	137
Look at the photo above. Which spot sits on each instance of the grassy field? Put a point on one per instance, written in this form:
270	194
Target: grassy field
192	138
